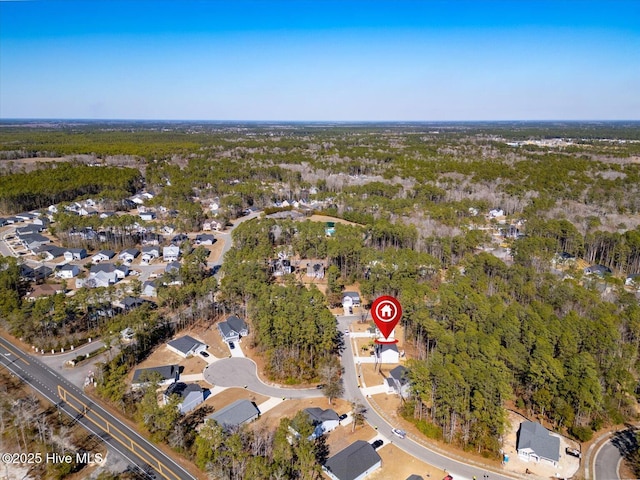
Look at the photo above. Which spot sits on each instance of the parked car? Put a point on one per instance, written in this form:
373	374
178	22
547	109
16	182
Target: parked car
377	444
574	452
342	417
204	354
232	345
399	433
320	386
346	331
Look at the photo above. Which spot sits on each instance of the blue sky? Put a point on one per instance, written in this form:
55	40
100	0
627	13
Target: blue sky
320	60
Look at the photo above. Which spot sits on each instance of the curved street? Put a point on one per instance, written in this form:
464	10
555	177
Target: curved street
242	372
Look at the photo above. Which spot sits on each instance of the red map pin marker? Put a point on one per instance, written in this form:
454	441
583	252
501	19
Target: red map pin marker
386	312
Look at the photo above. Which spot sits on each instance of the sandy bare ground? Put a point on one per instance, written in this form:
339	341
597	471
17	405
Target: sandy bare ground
230	395
325	218
289	408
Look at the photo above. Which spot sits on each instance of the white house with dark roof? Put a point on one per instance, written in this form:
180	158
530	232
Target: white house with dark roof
129	255
386	353
68	271
191	395
171	253
149	254
103	256
186	346
235	414
205	239
166	374
323	421
398	381
536	443
354	462
74	254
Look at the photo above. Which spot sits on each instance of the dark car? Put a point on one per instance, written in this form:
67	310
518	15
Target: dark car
377	444
342	417
204	354
320	386
232	345
574	452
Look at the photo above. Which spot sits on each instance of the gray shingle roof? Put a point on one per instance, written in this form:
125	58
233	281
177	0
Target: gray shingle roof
167	372
534	436
184	344
353	461
319	415
237	413
182	389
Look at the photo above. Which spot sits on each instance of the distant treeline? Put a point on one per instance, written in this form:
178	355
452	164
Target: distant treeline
64	182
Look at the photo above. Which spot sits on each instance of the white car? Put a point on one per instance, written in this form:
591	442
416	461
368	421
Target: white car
399	433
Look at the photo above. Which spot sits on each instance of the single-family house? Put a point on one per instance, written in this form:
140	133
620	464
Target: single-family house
24	216
118	271
496	212
103	256
186	346
599	270
41	222
149	289
129	303
165	374
172	267
67	271
28	230
209	225
171	253
354	462
205	239
129	254
147	216
86	211
536	443
398	380
316	268
352	299
49	252
632	280
74	254
33	241
34	274
127	334
386	353
191	395
323	421
227	333
149	253
44	290
235	414
233	328
104	215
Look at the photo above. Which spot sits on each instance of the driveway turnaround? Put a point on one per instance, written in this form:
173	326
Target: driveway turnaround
242	372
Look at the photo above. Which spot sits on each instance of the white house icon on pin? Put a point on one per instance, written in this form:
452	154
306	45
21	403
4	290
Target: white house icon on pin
386	311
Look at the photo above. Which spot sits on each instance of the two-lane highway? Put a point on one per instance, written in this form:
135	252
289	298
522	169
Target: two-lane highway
72	401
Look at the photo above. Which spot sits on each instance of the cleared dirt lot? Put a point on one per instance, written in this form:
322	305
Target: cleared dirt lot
230	395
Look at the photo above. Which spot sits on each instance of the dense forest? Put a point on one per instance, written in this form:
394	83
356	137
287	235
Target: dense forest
64	182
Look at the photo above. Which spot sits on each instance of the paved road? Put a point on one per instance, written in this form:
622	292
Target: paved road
91	416
238	372
609	456
353	393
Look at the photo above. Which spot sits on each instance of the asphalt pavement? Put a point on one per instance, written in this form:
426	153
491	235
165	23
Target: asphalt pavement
458	469
71	400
